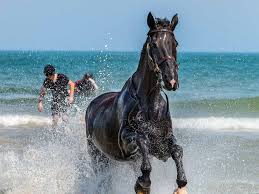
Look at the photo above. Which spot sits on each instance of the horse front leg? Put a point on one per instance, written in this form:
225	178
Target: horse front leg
143	183
132	140
177	155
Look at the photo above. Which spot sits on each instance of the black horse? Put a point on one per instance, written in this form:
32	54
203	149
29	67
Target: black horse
136	121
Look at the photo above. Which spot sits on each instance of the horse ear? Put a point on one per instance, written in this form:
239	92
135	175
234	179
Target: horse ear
174	22
151	21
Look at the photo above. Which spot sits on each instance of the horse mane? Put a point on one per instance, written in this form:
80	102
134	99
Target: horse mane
162	23
142	54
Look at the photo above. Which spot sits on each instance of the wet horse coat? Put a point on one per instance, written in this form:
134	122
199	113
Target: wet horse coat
136	121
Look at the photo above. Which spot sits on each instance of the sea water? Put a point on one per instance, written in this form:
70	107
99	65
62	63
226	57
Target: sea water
215	115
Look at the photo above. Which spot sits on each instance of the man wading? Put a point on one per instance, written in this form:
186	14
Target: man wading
85	86
61	99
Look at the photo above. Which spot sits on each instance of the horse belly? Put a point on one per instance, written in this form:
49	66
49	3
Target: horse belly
108	144
105	135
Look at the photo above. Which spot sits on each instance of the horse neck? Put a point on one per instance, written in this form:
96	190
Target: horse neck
147	86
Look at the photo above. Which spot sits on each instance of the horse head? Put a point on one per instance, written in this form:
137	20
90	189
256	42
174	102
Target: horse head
161	48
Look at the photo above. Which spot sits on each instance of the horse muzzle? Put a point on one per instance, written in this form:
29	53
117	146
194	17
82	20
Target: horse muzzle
171	85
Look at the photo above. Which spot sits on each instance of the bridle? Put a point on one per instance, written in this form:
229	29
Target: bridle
163	59
157	64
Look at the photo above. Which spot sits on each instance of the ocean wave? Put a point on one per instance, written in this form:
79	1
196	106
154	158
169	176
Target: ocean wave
237	108
217	123
209	123
24	121
18	101
18	90
245	102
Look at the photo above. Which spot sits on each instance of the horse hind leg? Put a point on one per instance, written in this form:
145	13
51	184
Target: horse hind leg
101	167
177	155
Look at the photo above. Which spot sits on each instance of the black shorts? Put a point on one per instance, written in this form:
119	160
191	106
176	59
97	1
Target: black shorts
58	107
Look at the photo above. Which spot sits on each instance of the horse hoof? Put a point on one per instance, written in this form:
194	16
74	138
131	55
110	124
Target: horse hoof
141	190
180	191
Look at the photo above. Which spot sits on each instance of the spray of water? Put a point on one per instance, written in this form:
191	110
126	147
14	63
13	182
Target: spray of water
56	160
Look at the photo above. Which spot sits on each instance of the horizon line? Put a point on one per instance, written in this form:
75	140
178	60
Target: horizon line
64	50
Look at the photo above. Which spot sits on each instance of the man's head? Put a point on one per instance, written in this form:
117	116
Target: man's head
49	71
87	76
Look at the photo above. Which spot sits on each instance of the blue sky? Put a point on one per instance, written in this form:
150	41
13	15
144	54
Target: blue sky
204	25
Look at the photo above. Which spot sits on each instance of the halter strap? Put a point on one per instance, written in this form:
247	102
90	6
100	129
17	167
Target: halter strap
166	58
161	30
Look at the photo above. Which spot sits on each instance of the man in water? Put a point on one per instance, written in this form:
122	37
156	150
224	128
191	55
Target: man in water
57	83
86	85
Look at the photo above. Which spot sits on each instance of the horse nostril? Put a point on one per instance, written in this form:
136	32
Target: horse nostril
172	82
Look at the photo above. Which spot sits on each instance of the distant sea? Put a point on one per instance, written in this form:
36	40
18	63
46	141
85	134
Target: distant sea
215	114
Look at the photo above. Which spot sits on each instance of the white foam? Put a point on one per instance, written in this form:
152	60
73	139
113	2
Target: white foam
38	170
53	162
23	120
59	162
213	123
217	123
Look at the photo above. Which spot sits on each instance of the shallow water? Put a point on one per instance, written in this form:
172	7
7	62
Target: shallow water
215	119
44	161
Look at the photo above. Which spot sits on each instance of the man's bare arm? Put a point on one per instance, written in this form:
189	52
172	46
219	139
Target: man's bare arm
41	96
43	91
71	93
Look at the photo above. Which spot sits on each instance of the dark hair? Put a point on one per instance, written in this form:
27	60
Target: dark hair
88	75
49	70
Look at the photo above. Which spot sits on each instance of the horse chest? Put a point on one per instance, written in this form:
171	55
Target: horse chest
158	133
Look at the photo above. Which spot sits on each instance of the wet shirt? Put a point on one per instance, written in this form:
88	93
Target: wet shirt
58	88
